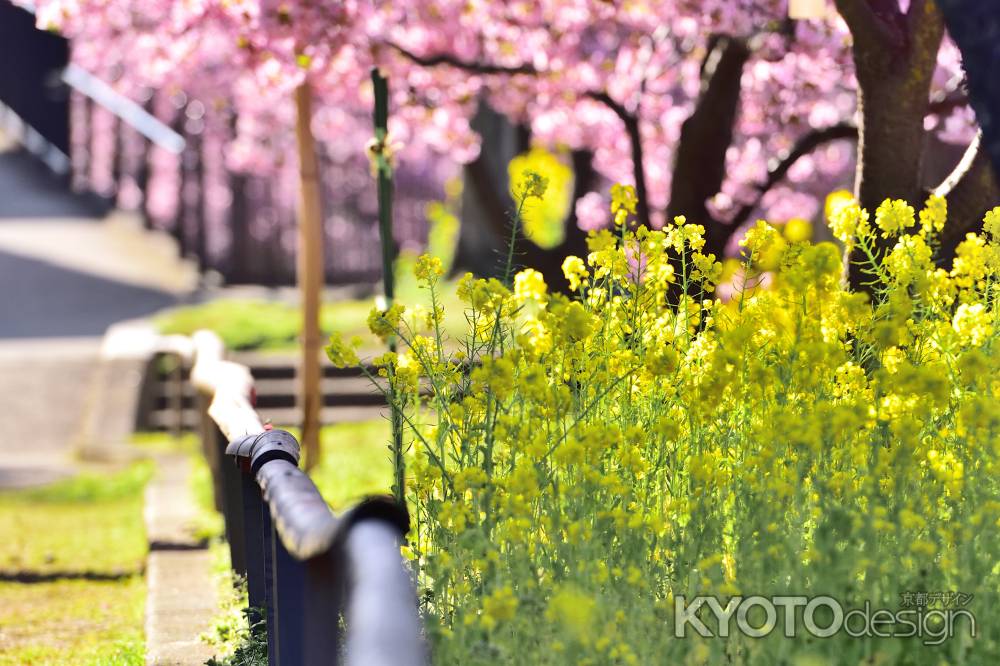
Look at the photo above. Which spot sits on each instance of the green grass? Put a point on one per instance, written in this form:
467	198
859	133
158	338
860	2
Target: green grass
92	523
162	442
256	324
72	622
234	642
245	324
208	523
355	462
81	543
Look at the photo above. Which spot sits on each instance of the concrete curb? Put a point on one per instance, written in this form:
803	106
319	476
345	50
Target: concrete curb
181	592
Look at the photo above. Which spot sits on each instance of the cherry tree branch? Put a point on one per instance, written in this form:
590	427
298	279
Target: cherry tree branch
634	131
629	119
450	60
781	166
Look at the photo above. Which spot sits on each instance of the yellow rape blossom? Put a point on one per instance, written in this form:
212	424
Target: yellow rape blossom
579	462
893	217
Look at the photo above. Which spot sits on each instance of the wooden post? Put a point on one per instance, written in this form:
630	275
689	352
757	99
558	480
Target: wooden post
310	274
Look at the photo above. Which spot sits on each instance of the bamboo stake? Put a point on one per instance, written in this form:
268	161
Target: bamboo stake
383	173
310	274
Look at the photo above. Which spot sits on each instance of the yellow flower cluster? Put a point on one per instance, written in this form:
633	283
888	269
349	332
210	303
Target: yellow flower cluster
529	285
582	460
623	202
893	217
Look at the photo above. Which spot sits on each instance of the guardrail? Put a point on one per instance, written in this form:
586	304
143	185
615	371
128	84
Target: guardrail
333	589
128	111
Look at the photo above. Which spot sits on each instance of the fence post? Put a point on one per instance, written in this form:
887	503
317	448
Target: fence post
254	542
310	274
303	562
258	543
306	598
287	600
232	507
227	488
268	537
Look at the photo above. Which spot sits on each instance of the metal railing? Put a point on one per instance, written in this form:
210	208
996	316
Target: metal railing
333	589
129	112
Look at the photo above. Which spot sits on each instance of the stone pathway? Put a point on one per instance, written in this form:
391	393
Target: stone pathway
42	387
181	593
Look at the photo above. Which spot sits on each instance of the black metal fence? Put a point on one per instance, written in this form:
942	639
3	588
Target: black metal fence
332	589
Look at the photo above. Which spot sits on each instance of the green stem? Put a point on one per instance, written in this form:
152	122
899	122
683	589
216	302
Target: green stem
384	178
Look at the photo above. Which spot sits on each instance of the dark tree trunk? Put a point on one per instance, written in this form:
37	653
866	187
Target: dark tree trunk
895	54
706	135
200	219
142	173
894	93
485	230
549	261
972	189
493	225
238	262
486	198
634	131
180	225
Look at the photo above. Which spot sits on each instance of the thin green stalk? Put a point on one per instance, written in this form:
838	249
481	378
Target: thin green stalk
384	178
